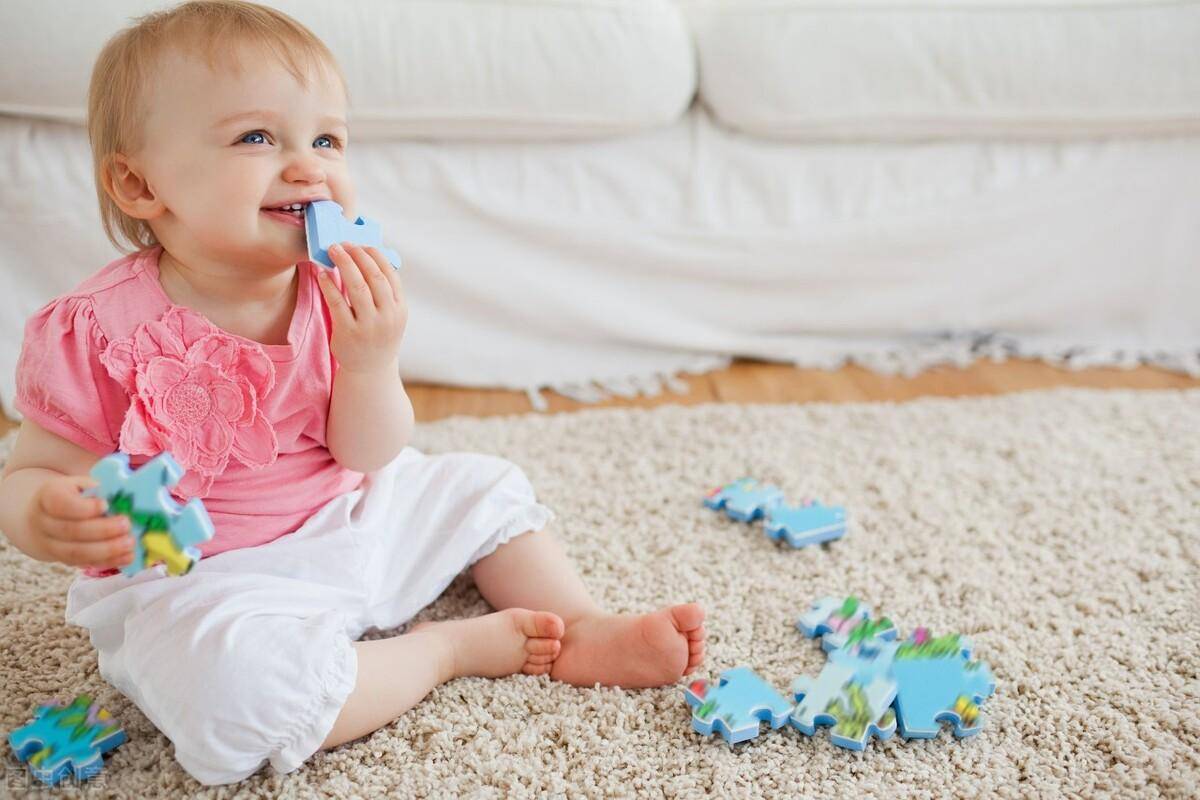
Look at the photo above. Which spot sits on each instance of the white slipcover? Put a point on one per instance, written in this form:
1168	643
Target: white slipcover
430	68
893	69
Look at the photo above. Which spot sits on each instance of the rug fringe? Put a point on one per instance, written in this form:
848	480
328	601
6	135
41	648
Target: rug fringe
961	349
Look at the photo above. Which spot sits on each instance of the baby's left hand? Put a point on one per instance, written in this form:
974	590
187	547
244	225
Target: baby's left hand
368	329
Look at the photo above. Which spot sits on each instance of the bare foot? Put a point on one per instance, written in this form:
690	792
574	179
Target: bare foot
635	651
503	643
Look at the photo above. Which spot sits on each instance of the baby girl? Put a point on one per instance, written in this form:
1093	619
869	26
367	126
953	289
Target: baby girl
275	383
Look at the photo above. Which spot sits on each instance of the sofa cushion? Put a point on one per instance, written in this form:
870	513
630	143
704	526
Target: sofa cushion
426	68
887	69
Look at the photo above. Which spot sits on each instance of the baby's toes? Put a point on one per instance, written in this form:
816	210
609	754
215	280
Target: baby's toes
540	655
688	617
543	625
542	647
536	668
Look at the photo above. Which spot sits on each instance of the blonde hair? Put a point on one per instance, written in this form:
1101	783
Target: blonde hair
213	29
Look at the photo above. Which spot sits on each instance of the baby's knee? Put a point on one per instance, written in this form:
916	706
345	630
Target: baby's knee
241	692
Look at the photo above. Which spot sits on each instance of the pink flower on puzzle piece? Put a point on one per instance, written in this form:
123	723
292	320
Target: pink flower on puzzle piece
197	392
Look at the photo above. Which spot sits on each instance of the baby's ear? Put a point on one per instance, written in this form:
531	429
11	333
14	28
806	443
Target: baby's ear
126	184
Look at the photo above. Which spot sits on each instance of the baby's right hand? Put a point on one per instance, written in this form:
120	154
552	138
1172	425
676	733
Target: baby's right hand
73	529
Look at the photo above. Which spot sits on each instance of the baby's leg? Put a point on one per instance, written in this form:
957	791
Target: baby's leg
395	674
629	650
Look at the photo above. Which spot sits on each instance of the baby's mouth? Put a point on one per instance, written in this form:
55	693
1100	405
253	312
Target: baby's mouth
295	209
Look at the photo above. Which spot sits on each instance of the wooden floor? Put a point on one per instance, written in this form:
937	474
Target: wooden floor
752	382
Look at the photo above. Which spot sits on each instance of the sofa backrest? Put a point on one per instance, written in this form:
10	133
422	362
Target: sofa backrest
787	69
900	69
416	68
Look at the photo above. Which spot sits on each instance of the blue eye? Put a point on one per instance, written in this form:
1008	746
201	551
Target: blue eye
330	139
254	133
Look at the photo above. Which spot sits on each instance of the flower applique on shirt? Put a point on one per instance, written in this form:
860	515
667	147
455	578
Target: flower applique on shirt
197	392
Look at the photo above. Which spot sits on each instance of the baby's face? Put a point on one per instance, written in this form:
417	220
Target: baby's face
222	148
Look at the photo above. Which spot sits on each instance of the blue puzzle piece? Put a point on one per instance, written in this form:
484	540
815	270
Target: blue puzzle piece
837	619
325	225
63	740
736	706
804	525
745	499
936	682
162	530
853	694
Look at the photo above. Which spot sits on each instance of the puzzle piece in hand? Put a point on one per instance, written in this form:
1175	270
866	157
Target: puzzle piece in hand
745	499
325	225
162	530
803	525
736	706
836	620
62	740
936	681
853	693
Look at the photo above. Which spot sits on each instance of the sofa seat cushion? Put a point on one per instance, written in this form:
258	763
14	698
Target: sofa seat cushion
896	69
416	68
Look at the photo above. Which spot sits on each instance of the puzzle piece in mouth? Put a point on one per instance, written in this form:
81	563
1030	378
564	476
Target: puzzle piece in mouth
744	499
325	225
736	706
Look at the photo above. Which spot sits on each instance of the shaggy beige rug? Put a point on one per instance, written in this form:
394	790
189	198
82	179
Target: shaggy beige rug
1061	530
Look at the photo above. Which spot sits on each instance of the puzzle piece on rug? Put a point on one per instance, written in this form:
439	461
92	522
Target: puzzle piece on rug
835	618
853	693
805	524
736	706
66	740
162	530
325	224
744	499
937	682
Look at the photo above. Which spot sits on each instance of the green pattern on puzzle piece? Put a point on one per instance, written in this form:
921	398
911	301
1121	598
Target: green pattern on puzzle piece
143	496
857	707
937	682
843	621
66	740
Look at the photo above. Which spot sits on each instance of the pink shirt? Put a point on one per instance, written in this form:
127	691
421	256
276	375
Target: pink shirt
115	365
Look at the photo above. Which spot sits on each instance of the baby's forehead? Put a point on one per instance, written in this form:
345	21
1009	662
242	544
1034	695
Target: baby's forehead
202	86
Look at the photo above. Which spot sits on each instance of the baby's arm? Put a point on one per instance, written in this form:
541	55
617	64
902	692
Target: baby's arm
42	511
370	414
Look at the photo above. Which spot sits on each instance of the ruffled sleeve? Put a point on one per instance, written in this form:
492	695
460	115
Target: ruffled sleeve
61	383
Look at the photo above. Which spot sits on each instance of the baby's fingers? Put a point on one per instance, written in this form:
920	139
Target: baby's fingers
339	309
108	553
63	499
97	529
353	279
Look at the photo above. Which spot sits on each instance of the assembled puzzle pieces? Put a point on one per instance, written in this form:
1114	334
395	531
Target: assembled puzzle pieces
803	525
745	499
835	618
852	698
325	225
736	706
162	530
64	740
937	682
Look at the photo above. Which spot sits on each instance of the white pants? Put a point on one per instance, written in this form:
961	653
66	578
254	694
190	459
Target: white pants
248	657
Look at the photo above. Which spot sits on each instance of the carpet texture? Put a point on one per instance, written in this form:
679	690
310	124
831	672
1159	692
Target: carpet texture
1060	530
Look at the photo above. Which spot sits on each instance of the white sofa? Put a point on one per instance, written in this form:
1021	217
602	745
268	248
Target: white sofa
595	195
